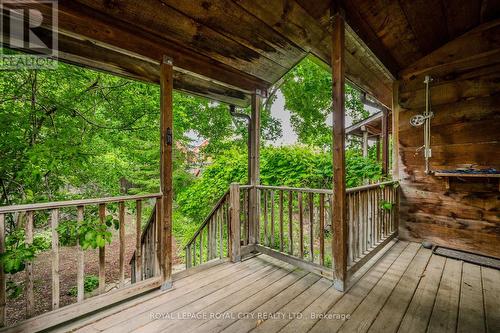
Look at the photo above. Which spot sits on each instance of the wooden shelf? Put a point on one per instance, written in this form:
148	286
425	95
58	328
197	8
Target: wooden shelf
458	174
466	175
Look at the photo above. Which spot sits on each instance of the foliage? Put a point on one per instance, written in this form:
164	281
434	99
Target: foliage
386	205
307	89
18	253
296	166
91	233
90	283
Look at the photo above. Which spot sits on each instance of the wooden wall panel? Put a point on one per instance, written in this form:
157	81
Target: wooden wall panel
461	213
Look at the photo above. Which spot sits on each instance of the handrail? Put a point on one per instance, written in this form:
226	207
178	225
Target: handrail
74	203
207	219
323	191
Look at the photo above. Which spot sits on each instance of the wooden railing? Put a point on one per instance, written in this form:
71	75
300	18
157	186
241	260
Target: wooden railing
372	219
73	208
211	240
295	224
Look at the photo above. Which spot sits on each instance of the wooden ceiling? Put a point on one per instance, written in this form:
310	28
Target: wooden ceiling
225	49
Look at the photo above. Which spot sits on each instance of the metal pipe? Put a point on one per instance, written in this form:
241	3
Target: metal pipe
240	115
427	124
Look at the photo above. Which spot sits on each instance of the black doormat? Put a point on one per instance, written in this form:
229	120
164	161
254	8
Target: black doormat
468	257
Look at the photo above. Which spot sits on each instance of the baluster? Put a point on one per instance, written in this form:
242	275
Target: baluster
322	229
266	235
102	253
272	221
121	220
201	246
311	220
281	220
2	274
55	259
301	226
138	234
350	219
30	299
194	252
290	222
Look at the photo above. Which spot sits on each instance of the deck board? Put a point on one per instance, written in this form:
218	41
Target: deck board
409	289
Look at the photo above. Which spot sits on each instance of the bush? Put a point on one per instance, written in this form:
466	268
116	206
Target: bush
90	283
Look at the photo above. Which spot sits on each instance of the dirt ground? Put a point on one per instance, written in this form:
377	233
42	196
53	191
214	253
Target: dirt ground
42	266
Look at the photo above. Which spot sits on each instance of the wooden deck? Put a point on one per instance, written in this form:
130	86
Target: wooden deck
408	290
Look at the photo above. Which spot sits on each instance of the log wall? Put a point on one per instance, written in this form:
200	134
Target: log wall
463	213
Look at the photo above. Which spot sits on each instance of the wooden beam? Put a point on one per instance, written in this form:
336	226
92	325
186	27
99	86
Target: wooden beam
395	130
75	19
339	239
166	144
365	141
254	168
385	141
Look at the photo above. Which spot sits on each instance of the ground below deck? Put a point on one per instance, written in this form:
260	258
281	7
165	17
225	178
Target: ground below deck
408	290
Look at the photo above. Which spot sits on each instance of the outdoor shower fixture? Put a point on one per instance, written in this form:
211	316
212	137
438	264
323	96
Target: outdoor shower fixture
425	119
240	115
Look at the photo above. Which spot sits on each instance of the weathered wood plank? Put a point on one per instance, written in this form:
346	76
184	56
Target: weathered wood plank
392	312
290	222
301	225
281	209
80	264
29	279
444	314
365	313
121	262
471	317
491	293
138	233
2	274
322	229
344	303
311	227
234	234
102	253
54	223
419	311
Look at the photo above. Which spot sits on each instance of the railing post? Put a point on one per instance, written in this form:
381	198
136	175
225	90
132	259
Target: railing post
339	239
234	222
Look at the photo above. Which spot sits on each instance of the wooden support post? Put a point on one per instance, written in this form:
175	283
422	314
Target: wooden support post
80	272
395	130
254	170
167	139
339	238
55	259
2	274
378	148
365	141
234	229
102	253
385	141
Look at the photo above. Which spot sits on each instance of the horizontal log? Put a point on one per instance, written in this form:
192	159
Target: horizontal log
481	243
452	92
473	110
75	203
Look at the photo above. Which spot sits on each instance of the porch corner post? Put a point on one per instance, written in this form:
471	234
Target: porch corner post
234	222
339	239
166	143
395	130
254	169
385	142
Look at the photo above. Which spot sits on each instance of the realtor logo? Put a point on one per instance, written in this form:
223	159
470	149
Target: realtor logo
28	38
